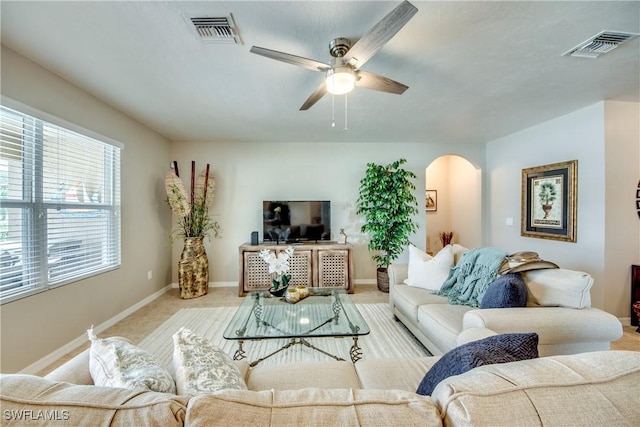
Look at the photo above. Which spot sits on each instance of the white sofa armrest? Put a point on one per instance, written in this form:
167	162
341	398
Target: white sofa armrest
552	324
74	371
473	334
398	273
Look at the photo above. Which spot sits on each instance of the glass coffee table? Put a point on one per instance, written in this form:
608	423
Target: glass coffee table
327	312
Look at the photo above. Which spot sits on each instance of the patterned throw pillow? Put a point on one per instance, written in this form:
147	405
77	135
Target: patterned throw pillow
495	349
505	291
200	367
117	363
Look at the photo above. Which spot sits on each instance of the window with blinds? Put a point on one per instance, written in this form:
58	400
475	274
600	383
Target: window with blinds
59	205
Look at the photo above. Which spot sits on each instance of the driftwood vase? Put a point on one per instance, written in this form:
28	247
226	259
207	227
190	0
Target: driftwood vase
193	269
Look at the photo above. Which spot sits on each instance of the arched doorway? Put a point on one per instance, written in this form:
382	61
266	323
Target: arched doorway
457	187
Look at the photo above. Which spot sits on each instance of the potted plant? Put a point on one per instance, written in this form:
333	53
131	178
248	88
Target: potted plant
194	223
278	268
547	196
388	205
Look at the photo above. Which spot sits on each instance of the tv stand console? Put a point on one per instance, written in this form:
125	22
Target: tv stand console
314	265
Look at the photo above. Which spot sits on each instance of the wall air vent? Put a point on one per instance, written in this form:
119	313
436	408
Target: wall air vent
216	29
602	42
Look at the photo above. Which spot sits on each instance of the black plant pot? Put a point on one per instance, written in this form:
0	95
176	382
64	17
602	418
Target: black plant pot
279	292
383	279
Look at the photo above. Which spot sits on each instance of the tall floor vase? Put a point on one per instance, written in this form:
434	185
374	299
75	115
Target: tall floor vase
193	269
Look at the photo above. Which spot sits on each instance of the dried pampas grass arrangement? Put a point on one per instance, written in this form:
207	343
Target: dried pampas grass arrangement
446	237
192	209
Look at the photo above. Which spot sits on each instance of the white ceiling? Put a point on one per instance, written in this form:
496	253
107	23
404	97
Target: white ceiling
476	71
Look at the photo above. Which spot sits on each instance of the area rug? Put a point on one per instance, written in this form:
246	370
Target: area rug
387	339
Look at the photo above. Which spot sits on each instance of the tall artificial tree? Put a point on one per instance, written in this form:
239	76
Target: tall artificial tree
387	202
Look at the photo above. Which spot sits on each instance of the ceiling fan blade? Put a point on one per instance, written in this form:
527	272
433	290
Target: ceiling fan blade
315	97
380	83
309	64
380	34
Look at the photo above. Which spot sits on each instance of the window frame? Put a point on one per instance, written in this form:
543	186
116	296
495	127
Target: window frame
34	208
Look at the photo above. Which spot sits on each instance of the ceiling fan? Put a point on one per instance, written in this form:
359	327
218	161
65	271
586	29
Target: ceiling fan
343	72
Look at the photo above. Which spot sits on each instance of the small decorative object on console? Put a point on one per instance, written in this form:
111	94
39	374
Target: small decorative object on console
278	268
342	238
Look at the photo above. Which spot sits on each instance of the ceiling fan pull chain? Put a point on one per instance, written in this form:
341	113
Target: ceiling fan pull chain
345	112
333	111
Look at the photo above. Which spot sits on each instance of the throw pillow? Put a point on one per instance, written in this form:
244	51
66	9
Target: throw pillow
505	291
200	367
117	363
429	272
495	349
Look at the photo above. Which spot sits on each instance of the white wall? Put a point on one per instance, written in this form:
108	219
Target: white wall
248	173
622	227
36	326
437	178
576	136
459	187
465	184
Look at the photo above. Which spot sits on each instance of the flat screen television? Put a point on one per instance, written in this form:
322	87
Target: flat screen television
296	221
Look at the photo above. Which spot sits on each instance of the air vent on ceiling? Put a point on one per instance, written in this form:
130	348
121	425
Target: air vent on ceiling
602	42
216	29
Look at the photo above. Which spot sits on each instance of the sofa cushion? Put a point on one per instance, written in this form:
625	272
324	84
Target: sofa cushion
426	271
495	349
393	374
117	363
558	287
505	291
38	400
293	376
312	407
407	299
587	389
201	367
442	323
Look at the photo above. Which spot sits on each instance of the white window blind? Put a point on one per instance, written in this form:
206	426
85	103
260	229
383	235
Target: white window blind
59	205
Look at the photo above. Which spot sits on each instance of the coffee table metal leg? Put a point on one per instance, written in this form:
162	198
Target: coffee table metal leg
308	344
356	351
292	342
239	354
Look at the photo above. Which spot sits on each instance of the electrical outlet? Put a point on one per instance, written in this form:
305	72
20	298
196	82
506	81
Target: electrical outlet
149	275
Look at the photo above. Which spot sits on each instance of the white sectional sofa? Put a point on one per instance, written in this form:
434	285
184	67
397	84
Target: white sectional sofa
558	309
589	389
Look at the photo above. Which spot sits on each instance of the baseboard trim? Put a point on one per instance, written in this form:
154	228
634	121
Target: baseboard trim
365	281
214	284
626	321
39	365
235	284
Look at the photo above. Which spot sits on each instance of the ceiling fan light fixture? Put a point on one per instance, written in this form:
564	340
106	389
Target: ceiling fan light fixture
340	80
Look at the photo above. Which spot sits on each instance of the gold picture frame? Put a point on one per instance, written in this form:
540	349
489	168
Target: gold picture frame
549	201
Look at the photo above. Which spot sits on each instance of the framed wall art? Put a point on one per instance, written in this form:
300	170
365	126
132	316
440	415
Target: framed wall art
431	200
549	201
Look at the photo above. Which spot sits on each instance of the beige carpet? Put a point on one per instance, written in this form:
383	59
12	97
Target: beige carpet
387	339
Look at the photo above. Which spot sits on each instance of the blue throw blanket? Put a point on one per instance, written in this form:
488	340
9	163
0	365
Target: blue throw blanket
469	280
